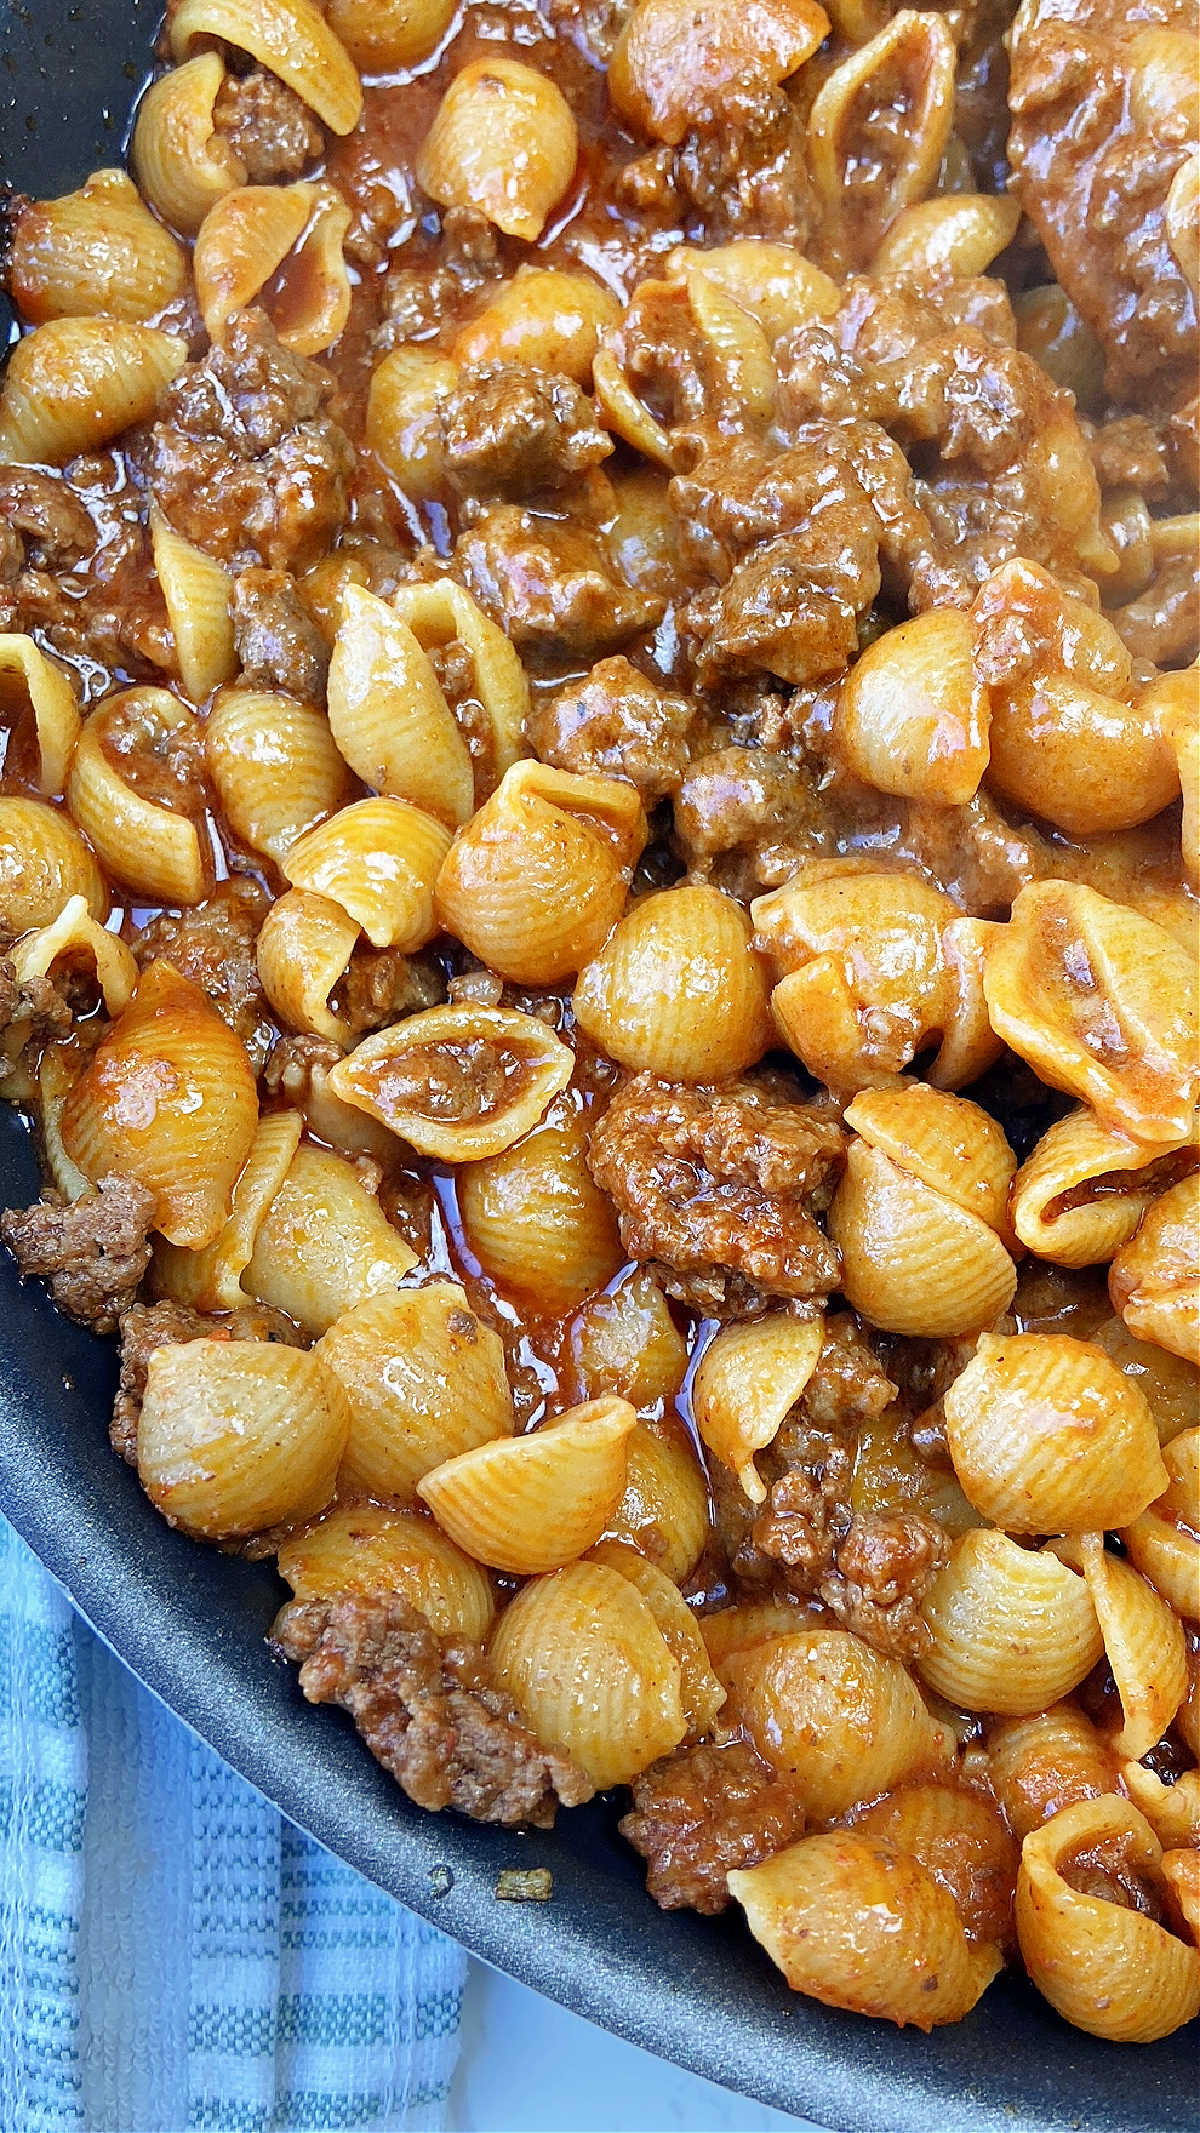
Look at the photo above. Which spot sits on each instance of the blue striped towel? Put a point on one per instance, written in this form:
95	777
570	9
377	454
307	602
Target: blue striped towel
173	1954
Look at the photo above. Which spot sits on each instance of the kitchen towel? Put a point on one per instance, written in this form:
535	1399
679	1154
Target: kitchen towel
173	1954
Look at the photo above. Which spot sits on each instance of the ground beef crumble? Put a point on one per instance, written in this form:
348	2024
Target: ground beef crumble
508	430
702	1812
720	1188
426	1710
267	126
616	723
275	638
93	1252
213	944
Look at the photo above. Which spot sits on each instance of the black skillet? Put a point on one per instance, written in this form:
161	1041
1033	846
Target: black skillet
191	1623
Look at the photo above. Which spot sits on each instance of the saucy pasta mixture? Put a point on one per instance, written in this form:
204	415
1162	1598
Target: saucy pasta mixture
600	796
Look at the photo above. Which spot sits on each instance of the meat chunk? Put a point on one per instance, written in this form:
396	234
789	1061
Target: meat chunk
552	587
246	460
275	637
381	986
213	944
52	520
146	1327
1094	153
719	1189
267	126
93	1252
426	1710
615	723
750	801
884	1568
417	300
33	1012
702	1812
508	430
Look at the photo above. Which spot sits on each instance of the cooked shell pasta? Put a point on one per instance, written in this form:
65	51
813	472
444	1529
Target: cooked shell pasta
274	766
33	685
776	284
961	1839
1144	1646
663	1512
291	37
1012	1628
961	231
1164	1543
123	801
677	989
76	938
1106	1966
1043	1763
668	56
168	1097
235	1436
324	1243
302	952
1081	1194
199	595
457	1083
43	862
210	1279
832	1912
538	877
424	1378
441	613
907	70
843	1720
1048	1436
626	1341
386	35
1154	1281
378	859
545	317
585	1661
911	717
535	1220
182	164
700	1691
388	715
245	240
503	140
95	253
532	1503
74	384
747	1380
364	1549
403	426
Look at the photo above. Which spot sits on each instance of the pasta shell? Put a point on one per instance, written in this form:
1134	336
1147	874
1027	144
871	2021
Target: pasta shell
536	1222
1164	1543
385	36
275	767
1048	1436
669	57
34	686
97	252
1181	218
76	937
182	164
1040	1764
74	384
1168	1383
961	1839
912	1261
538	877
834	1912
748	1379
843	1720
147	843
324	1243
199	595
532	1503
1012	1628
404	428
701	1693
677	989
737	1629
626	1341
544	317
1081	1194
43	862
1108	1969
503	140
776	284
1173	1811
950	1144
291	37
302	951
739	346
457	1082
1181	1872
440	612
962	232
235	1436
378	859
58	1067
907	70
911	718
619	408
584	1660
211	1279
969	1045
362	1549
1139	1074
169	1098
388	715
1144	1646
243	243
664	1510
425	1381
1154	1281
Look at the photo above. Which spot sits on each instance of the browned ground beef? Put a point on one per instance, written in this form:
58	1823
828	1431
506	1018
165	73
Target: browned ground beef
719	1189
551	586
751	806
93	1253
275	637
702	1812
381	986
145	1327
33	1012
508	430
52	521
266	124
213	944
245	460
417	298
615	723
426	1710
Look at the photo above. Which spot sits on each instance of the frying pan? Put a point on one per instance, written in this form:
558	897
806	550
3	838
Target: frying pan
192	1623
